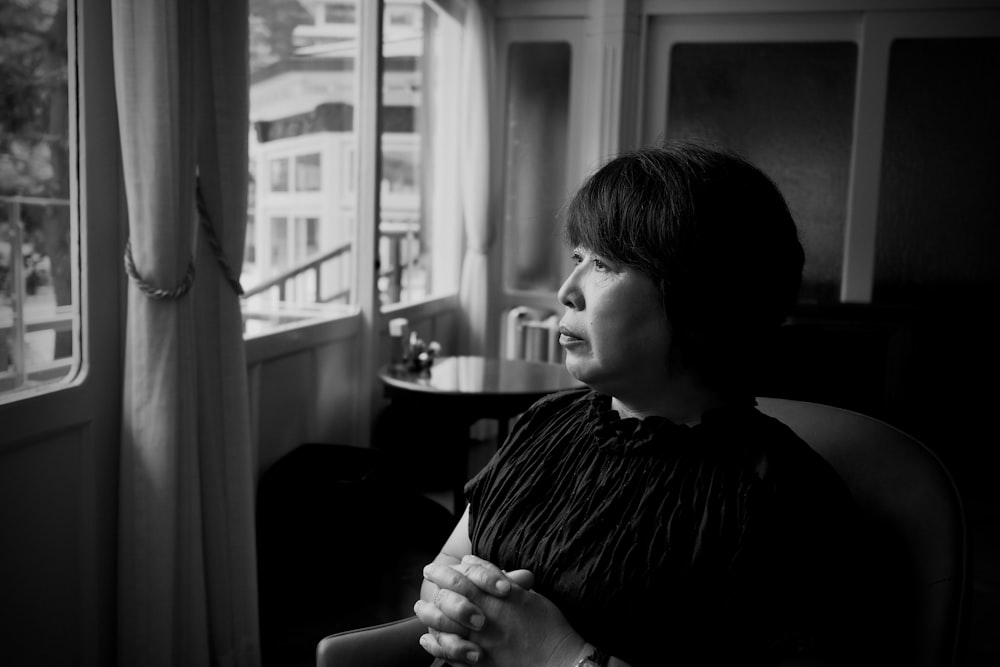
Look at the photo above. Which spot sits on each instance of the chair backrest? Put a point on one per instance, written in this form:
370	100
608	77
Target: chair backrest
919	544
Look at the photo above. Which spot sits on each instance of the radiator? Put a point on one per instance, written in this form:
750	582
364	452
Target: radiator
532	334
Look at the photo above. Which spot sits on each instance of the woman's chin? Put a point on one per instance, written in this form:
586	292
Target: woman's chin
577	367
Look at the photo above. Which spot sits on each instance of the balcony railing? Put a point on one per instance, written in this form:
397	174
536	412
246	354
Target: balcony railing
21	316
288	280
306	291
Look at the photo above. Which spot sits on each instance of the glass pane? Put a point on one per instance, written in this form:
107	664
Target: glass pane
39	303
788	107
309	237
339	12
537	129
279	243
279	175
302	162
307	173
937	223
419	231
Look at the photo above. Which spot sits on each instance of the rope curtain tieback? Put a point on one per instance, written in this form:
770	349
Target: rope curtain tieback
150	290
213	240
159	293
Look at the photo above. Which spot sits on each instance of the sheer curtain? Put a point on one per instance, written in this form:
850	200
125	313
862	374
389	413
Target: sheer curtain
187	570
475	175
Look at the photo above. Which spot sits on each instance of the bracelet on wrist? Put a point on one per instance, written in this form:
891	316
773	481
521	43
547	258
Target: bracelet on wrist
593	657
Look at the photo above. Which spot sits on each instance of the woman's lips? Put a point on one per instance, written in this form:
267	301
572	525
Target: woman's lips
568	337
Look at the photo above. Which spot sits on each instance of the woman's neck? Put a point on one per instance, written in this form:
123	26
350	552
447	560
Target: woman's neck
682	402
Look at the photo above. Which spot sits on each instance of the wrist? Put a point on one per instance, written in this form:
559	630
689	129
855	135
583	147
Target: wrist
591	656
568	651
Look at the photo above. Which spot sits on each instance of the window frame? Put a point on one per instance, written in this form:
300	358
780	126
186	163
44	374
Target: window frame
348	172
78	364
873	26
572	31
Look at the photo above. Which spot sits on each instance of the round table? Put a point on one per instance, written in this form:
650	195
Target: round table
458	391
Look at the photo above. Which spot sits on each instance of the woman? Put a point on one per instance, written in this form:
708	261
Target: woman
654	517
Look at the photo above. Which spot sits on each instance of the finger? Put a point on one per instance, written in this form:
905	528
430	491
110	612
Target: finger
523	578
436	620
452	648
484	574
460	609
446	577
450	612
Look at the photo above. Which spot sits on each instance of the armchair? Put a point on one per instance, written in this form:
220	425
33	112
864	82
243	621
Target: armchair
320	508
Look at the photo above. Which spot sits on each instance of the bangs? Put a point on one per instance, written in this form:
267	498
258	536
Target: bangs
627	212
589	224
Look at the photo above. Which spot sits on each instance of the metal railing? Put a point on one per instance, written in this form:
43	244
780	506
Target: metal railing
15	321
330	268
315	265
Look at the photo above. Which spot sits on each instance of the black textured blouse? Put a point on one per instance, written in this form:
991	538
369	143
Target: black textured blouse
666	544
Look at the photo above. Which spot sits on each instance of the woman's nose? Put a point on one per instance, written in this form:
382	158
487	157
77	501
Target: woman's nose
569	293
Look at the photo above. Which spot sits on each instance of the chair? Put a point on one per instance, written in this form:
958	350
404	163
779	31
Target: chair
323	512
916	528
918	545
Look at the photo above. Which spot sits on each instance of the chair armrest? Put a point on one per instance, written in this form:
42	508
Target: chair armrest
394	644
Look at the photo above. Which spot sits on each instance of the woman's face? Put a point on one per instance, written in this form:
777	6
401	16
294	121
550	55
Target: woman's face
615	333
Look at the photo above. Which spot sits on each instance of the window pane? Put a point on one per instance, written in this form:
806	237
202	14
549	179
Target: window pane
419	228
279	175
302	163
339	12
309	238
307	173
39	302
789	108
303	96
279	243
537	131
937	222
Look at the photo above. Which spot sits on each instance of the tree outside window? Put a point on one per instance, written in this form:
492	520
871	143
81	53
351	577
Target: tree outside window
39	308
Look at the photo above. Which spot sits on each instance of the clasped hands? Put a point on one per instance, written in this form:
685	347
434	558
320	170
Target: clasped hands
479	614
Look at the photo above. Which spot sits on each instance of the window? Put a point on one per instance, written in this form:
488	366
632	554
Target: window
250	249
39	235
538	107
279	175
547	148
937	233
780	89
278	242
788	106
402	16
339	12
307	173
419	224
304	102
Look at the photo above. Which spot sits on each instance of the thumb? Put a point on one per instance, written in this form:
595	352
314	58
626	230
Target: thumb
523	578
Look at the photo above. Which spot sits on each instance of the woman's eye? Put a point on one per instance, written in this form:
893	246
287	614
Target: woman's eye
599	264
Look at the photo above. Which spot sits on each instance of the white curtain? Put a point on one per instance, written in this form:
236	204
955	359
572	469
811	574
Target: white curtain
474	167
187	567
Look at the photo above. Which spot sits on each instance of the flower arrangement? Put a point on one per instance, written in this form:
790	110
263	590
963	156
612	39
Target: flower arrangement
420	355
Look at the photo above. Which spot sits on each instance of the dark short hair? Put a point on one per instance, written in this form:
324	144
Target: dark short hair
713	232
